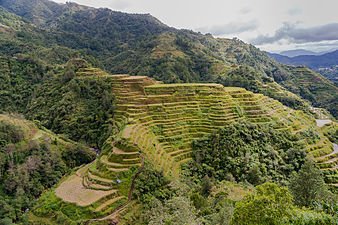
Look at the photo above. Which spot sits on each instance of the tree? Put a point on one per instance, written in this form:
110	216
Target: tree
270	205
308	185
206	186
248	152
69	74
175	211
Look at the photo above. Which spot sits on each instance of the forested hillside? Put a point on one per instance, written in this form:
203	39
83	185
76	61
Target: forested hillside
325	64
31	161
138	177
141	45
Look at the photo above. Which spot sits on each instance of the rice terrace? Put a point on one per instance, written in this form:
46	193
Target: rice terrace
207	114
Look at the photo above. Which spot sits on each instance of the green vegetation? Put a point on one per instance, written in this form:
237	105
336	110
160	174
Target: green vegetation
78	106
161	121
143	131
331	131
31	161
18	80
249	152
253	80
269	205
316	89
185	202
308	185
151	184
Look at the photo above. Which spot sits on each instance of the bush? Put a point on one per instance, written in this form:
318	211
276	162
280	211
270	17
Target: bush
270	205
308	186
77	155
151	184
307	217
10	134
248	152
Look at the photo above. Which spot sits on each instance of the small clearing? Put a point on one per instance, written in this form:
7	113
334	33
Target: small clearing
73	191
321	123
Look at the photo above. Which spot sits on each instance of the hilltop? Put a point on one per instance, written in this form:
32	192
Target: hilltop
140	44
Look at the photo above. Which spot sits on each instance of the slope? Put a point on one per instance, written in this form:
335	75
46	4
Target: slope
158	122
312	61
32	159
140	44
325	64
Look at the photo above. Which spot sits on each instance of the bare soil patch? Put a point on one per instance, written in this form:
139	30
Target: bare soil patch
73	191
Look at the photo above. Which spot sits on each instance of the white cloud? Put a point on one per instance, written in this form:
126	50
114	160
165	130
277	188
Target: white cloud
294	11
295	34
230	28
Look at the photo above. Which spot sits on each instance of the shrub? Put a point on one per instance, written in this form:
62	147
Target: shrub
308	186
270	205
248	152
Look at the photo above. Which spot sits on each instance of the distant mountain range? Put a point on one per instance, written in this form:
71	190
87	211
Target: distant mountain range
312	61
325	64
301	52
297	52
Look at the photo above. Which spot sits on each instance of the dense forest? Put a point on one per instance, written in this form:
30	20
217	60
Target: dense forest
31	161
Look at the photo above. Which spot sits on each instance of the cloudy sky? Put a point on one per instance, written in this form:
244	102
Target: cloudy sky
273	25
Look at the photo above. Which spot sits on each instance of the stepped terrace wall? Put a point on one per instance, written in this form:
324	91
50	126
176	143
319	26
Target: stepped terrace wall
160	122
164	119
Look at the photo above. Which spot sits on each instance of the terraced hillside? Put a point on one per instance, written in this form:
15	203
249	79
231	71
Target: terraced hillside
159	122
163	120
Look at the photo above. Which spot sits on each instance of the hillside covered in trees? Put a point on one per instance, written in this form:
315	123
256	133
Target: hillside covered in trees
142	45
32	159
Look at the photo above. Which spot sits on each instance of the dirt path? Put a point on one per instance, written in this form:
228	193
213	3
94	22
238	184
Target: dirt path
321	123
335	148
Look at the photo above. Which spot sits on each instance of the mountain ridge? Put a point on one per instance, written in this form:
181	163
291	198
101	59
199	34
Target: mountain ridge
127	43
312	61
297	52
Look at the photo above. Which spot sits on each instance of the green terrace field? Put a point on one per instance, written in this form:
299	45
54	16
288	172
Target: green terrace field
158	123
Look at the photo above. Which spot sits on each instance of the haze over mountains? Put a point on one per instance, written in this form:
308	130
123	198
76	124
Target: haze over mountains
299	52
312	60
326	64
